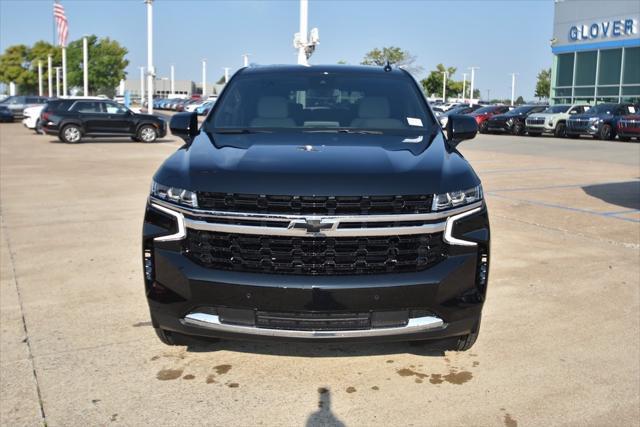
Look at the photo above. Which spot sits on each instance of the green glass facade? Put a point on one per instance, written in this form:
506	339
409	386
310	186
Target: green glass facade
602	75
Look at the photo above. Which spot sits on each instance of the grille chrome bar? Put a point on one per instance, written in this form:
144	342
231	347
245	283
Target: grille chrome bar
212	322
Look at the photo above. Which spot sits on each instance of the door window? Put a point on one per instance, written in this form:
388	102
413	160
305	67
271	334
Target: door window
87	107
113	108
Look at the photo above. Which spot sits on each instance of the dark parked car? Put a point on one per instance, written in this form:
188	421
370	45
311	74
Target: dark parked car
461	109
317	203
5	114
600	121
17	104
73	119
485	113
513	121
629	127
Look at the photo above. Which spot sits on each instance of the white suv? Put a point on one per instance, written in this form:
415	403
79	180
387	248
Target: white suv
553	119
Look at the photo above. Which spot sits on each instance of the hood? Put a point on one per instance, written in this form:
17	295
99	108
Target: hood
587	115
148	116
317	164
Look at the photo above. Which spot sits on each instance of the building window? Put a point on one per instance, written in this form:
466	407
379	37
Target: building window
564	75
586	68
609	64
631	73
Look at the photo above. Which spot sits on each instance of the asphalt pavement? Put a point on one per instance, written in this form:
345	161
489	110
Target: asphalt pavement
560	338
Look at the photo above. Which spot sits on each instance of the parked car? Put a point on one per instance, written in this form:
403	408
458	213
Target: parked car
72	119
204	109
335	218
554	119
513	121
483	114
31	116
461	109
5	114
629	127
17	104
600	121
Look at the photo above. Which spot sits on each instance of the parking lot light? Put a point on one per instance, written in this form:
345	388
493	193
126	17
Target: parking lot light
40	88
85	66
50	76
150	69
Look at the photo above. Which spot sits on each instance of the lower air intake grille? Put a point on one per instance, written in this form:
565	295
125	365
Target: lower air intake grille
314	255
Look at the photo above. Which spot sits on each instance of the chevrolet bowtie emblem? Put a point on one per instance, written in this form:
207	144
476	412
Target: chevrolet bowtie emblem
313	225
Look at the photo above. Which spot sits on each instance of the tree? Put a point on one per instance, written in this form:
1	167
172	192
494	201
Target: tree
432	85
220	80
107	64
476	93
341	62
394	55
543	85
519	100
16	67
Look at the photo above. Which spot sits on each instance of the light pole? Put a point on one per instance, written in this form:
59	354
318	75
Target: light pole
58	82
473	73
85	65
64	70
50	76
226	75
150	70
204	78
464	86
173	80
141	86
304	16
444	87
245	59
513	88
40	88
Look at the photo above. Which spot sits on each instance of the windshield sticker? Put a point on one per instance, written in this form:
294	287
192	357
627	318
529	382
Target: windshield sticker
632	108
413	140
414	121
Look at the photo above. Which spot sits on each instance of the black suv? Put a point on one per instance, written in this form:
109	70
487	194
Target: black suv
600	121
513	121
72	119
317	203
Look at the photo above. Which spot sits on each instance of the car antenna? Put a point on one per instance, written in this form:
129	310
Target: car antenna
387	66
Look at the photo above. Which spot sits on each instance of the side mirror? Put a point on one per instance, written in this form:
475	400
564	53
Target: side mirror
459	128
185	126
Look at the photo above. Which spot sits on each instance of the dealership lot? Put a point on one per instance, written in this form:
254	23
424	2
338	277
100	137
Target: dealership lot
559	342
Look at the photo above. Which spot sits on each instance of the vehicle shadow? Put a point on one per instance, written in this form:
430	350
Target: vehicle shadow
123	140
324	416
625	194
435	348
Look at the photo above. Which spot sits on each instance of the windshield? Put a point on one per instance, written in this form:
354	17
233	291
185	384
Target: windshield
488	109
519	110
603	108
320	101
557	109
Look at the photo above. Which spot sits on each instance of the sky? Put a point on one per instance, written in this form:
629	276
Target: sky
499	37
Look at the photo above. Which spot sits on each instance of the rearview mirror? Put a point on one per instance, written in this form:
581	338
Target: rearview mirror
460	128
185	126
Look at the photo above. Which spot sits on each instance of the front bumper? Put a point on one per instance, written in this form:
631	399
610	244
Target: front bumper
498	126
590	129
442	301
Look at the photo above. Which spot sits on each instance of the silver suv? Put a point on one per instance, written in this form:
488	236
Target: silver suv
553	120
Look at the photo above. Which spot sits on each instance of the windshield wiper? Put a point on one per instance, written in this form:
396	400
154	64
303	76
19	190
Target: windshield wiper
239	131
351	131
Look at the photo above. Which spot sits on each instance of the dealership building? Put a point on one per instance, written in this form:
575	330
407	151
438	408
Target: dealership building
596	48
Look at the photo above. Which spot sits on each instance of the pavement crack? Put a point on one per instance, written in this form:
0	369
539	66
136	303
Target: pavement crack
24	321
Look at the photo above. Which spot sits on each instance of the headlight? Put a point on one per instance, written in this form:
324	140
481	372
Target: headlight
509	121
455	199
174	195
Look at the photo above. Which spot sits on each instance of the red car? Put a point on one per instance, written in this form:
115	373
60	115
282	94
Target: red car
628	127
484	113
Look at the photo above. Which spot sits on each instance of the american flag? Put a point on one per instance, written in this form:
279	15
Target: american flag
61	23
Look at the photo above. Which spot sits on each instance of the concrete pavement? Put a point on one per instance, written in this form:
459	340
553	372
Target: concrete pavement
560	339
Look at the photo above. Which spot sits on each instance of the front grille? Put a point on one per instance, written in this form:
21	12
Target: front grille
314	255
629	123
315	205
535	121
311	321
578	124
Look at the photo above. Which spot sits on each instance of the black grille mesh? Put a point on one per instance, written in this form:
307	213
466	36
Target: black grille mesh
315	205
314	255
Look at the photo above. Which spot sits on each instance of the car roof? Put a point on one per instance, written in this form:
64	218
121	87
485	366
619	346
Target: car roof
338	69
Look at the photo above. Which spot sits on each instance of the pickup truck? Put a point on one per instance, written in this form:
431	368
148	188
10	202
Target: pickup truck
317	203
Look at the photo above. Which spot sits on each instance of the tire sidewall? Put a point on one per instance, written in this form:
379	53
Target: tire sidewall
64	130
143	127
561	130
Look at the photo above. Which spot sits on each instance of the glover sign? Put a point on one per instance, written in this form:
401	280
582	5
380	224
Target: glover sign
603	30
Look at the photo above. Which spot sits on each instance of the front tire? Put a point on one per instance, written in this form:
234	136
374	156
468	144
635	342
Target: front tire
518	129
465	342
483	127
606	132
560	130
147	134
71	134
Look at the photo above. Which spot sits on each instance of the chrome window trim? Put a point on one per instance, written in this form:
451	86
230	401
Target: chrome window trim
448	238
182	232
340	218
212	322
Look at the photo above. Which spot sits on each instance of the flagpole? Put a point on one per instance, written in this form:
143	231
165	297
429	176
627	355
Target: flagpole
50	76
64	70
40	87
